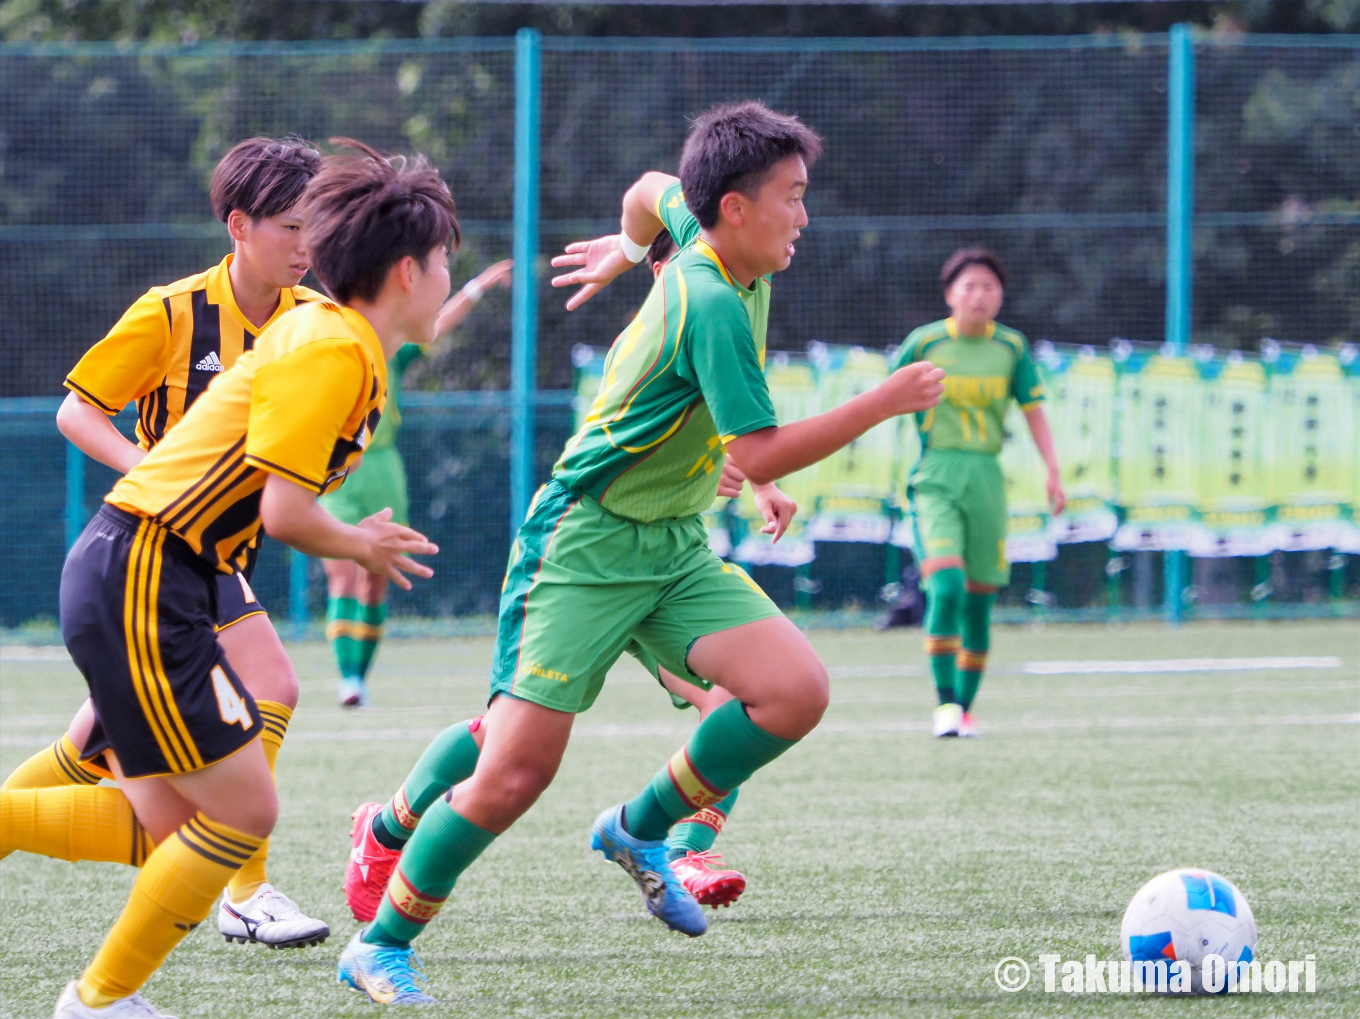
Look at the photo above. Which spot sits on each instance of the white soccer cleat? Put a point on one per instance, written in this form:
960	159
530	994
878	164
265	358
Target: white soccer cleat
352	693
968	727
946	721
269	918
69	1006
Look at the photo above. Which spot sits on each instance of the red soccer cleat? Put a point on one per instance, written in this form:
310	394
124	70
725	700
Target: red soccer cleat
370	865
709	884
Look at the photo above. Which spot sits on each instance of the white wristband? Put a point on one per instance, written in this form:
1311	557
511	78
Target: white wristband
472	290
632	250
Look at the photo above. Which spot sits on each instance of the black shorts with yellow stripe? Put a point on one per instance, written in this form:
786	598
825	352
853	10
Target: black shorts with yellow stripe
235	599
138	614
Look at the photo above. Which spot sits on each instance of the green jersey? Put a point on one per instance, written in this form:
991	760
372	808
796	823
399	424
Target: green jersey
685	377
385	434
982	374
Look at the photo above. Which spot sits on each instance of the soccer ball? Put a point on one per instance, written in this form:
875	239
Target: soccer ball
1188	914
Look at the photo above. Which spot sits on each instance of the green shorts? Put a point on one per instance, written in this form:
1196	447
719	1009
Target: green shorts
583	584
958	506
648	661
379	482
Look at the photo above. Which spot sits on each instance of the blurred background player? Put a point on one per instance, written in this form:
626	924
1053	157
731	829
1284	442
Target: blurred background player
357	600
958	498
162	355
279	429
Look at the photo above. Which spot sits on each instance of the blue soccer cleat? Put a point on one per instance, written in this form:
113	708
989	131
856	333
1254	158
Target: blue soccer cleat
665	897
383	972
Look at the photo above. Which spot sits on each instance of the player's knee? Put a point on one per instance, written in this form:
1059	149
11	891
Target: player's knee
255	814
523	784
284	682
808	692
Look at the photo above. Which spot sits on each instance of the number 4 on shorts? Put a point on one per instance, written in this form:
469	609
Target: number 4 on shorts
229	702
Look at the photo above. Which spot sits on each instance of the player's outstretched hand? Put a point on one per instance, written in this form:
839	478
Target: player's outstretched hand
601	259
777	509
390	547
731	480
912	389
496	275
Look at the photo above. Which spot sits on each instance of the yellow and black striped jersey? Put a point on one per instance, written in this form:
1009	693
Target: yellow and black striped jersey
168	346
302	404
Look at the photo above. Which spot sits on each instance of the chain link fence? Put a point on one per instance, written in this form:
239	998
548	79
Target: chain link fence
1052	151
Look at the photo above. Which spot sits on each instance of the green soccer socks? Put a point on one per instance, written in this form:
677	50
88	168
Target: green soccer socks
354	631
444	846
698	832
723	752
450	759
977	634
944	605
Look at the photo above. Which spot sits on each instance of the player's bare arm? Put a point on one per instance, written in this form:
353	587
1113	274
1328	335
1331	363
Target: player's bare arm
1043	439
603	259
460	305
89	429
768	454
290	514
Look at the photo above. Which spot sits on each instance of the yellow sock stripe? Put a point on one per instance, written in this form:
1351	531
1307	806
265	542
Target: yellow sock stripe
158	668
71	767
972	661
353	629
709	817
401	808
275	718
409	902
132	595
693	788
943	645
142	845
199	835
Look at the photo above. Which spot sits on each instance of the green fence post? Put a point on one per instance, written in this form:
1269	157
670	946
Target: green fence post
524	297
75	493
297	593
1180	208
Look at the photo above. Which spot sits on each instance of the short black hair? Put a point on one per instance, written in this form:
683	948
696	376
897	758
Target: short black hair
663	247
733	147
963	258
263	176
365	212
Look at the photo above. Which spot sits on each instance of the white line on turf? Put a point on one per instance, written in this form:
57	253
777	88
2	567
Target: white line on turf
835	727
1095	668
30	653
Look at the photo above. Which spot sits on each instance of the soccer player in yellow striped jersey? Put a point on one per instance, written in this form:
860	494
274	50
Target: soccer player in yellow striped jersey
162	354
283	426
957	495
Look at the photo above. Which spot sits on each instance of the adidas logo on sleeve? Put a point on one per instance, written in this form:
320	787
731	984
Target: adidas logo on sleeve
210	363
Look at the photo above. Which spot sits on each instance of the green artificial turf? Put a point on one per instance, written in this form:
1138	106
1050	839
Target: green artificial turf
888	872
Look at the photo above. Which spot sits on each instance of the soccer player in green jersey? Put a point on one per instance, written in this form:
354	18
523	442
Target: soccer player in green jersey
957	495
613	550
381	830
357	600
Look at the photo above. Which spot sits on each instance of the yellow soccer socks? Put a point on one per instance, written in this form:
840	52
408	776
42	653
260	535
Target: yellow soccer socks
174	893
246	882
73	822
56	765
